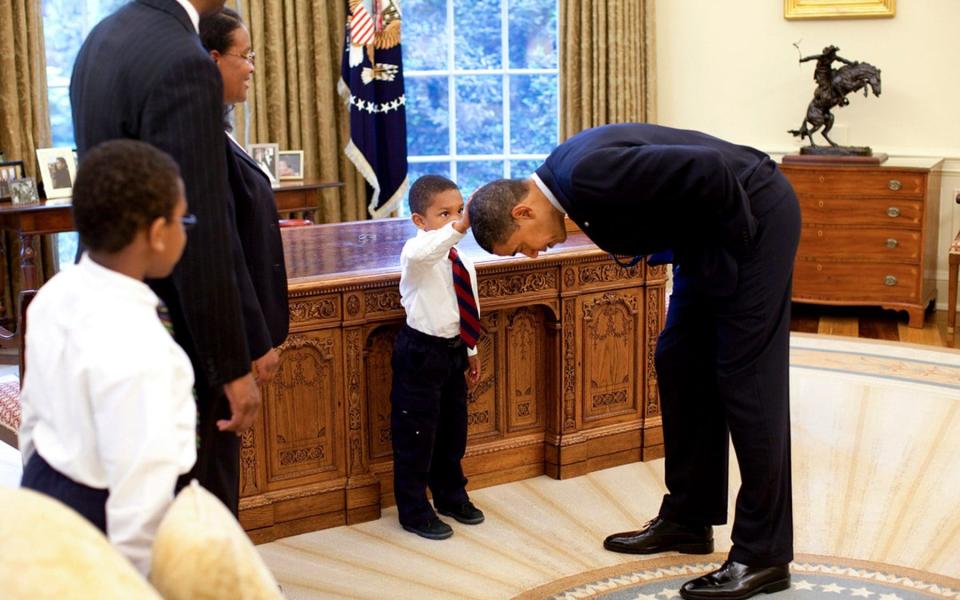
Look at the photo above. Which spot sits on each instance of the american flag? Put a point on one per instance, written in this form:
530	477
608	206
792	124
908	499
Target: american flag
371	84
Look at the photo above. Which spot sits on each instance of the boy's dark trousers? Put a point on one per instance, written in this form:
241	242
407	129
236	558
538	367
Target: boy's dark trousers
428	423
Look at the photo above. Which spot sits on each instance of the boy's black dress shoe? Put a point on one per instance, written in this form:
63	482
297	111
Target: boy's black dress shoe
466	513
659	535
434	529
736	581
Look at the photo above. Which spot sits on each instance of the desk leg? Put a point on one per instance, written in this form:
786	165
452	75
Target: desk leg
3	262
27	257
952	294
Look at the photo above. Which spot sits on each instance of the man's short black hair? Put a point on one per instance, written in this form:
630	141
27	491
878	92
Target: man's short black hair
424	189
122	186
490	211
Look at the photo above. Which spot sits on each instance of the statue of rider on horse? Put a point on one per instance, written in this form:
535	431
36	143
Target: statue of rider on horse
833	85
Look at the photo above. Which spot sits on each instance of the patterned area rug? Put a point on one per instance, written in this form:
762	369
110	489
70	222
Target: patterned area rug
812	577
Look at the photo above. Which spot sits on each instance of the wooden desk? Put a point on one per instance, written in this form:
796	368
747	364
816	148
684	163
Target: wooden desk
567	377
56	216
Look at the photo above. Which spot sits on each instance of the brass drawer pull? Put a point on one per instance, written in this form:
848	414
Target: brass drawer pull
894	184
893	212
890	280
892	243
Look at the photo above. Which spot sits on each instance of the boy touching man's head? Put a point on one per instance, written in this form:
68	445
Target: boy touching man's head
434	357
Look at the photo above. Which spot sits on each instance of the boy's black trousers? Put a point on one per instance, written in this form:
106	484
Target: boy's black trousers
428	423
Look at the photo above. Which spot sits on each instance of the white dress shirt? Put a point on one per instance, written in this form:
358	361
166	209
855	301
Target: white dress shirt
426	283
107	398
192	13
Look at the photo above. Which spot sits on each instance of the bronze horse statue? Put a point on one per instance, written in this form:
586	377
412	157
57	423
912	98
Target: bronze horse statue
851	77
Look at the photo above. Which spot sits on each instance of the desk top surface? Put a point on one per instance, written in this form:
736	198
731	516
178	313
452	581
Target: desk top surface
372	248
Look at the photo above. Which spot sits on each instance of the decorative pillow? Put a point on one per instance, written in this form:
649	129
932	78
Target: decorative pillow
10	404
49	551
202	552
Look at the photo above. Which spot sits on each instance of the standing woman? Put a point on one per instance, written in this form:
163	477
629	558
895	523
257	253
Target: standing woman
264	294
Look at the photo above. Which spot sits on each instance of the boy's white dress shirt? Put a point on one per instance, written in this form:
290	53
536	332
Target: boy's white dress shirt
426	283
107	398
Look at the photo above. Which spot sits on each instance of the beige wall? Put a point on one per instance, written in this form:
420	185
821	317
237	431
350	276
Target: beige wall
729	68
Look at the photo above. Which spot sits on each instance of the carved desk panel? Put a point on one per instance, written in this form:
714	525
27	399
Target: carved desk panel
567	381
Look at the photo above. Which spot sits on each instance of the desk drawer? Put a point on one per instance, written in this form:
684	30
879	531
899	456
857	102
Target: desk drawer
866	244
879	212
842	182
861	283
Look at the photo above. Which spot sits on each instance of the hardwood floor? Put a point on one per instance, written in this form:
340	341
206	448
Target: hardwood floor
871	322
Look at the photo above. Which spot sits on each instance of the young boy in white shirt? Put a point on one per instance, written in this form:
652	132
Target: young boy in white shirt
434	356
109	419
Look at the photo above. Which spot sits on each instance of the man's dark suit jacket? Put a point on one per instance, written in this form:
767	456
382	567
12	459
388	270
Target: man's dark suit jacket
637	189
264	299
142	73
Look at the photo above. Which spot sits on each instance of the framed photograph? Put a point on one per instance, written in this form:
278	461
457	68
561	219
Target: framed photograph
23	190
290	164
58	169
9	170
265	155
838	9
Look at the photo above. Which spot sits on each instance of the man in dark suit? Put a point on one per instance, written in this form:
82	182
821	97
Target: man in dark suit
142	73
732	222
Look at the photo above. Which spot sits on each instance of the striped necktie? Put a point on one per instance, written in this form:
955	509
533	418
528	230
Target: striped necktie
469	315
163	313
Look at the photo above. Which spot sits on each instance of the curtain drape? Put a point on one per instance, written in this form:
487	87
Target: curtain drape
607	63
294	101
24	126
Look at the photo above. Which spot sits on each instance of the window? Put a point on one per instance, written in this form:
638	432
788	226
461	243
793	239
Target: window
481	87
66	24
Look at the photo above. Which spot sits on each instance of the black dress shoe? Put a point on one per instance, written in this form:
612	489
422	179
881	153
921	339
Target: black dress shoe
434	529
736	581
659	535
466	513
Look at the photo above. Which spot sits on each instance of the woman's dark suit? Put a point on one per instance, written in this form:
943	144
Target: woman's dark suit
265	310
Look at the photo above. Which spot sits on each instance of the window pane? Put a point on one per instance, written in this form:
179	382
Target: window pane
533	34
471	174
66	248
480	114
533	113
428	118
521	169
61	121
415	170
424	34
477	34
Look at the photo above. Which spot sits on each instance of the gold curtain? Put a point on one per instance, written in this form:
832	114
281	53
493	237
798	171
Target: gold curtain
24	126
607	63
294	101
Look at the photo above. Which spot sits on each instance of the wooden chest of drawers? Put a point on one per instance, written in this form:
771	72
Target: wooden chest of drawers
869	234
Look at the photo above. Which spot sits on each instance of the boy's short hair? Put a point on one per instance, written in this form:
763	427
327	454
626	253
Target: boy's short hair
425	188
122	186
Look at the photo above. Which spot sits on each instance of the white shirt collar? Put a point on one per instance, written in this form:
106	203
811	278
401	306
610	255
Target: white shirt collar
546	192
192	13
118	283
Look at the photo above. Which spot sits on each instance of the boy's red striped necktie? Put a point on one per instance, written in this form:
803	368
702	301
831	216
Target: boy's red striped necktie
469	315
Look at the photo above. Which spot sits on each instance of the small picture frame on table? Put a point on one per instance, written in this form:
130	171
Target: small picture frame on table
9	171
58	169
290	164
23	191
265	155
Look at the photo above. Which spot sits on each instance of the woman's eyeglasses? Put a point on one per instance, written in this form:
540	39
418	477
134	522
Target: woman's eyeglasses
250	57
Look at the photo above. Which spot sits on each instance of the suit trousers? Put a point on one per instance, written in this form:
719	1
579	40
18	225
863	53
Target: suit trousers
428	423
723	370
218	453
